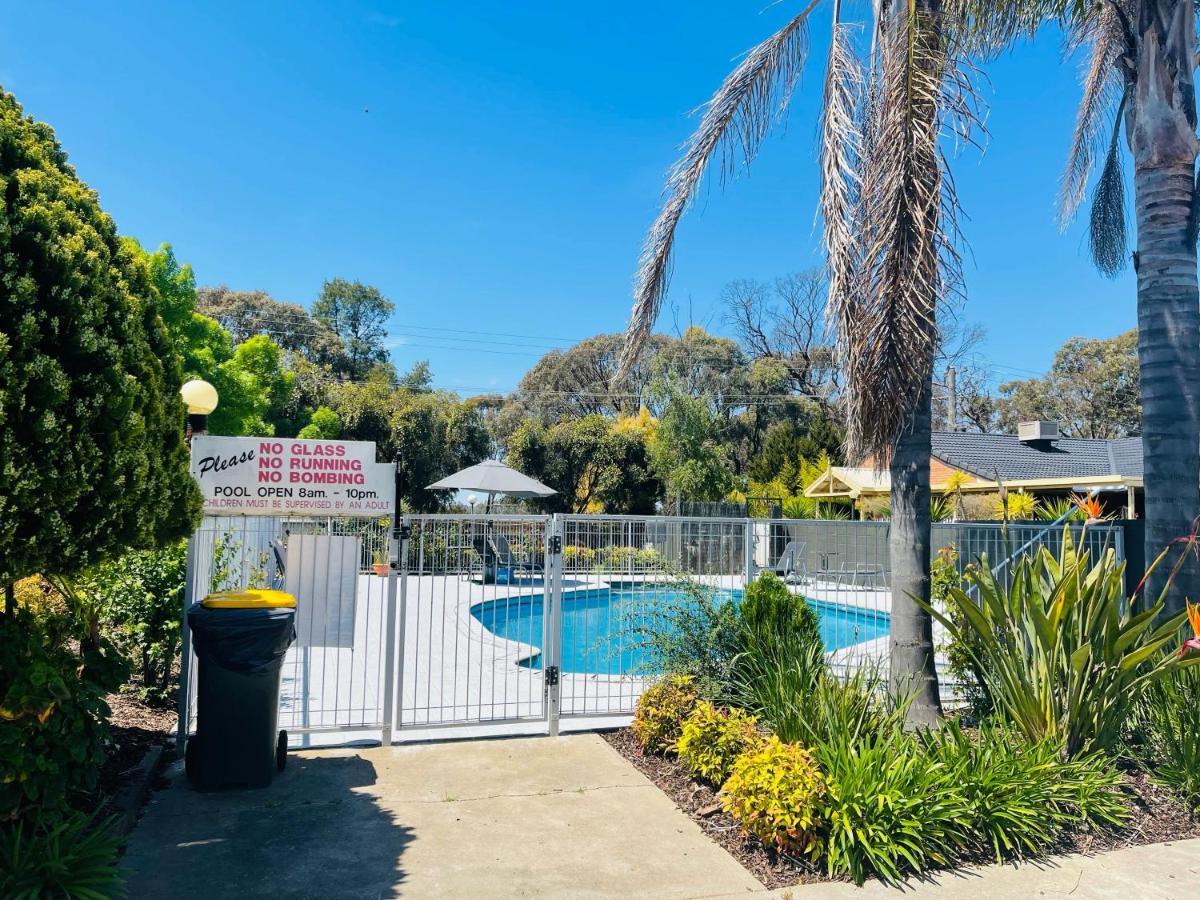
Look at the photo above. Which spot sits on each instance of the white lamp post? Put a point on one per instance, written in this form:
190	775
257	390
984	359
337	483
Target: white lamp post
472	499
200	398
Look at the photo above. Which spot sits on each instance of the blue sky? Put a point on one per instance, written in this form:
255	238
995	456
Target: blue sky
492	167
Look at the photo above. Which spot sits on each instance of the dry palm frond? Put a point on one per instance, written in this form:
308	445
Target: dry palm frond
1107	233
840	154
1107	34
988	27
908	215
735	122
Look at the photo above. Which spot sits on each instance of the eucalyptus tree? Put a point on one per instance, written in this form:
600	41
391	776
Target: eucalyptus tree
1141	63
888	209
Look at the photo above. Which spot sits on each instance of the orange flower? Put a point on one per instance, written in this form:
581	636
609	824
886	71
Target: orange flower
1193	643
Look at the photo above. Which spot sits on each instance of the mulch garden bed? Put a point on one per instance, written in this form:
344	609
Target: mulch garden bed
1156	816
136	728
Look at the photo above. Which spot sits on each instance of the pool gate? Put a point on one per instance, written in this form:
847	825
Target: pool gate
531	624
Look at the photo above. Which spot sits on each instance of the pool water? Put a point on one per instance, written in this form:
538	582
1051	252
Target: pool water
603	628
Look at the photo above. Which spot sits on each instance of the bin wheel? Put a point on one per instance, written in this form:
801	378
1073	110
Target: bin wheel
191	762
281	748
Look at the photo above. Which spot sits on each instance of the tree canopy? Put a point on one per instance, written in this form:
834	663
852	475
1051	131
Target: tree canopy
355	312
594	463
92	459
1092	390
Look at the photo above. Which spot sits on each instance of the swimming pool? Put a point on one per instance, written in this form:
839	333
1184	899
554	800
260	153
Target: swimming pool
602	627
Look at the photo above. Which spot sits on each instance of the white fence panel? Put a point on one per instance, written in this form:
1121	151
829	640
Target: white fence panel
338	678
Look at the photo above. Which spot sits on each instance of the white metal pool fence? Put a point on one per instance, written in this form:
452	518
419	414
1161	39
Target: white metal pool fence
503	624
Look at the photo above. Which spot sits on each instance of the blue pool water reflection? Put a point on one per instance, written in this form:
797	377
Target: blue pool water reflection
602	627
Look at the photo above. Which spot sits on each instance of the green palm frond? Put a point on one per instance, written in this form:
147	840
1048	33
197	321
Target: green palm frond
1107	37
1108	236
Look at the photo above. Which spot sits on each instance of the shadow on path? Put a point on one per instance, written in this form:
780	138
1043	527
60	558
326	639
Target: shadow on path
313	833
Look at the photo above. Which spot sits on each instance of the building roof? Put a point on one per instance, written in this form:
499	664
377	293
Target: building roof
849	481
1064	464
989	455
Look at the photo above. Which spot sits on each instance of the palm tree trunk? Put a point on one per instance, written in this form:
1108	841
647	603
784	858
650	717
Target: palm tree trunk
1161	128
1168	345
911	642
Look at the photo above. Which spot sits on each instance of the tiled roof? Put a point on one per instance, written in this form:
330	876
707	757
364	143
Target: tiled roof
986	455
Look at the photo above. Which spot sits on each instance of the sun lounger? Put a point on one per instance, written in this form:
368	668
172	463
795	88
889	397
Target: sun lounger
791	562
505	558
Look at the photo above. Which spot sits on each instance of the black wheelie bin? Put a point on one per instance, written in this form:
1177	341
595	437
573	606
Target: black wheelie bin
240	638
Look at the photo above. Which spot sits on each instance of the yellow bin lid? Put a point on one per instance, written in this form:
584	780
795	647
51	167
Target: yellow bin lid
251	598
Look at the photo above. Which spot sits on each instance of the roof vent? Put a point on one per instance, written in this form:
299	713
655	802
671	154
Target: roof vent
1037	433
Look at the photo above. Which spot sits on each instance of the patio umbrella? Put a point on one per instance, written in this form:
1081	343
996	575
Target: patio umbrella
493	477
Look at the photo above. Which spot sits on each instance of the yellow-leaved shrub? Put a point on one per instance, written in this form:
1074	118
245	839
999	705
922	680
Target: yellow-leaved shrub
774	792
712	738
660	712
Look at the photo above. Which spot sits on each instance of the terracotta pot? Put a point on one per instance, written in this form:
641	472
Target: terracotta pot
381	568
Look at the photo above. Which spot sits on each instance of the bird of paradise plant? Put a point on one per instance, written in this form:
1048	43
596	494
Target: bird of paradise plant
1091	507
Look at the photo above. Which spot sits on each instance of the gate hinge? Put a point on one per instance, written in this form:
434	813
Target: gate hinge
551	676
555	545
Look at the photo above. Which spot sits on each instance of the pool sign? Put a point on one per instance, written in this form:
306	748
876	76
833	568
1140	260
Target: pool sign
250	476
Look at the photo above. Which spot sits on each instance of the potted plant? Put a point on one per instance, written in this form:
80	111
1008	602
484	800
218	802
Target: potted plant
380	562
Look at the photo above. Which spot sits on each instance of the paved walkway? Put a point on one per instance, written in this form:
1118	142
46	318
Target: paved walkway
531	817
1149	872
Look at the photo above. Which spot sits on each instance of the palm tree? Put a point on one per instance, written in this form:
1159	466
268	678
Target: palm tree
1142	60
888	209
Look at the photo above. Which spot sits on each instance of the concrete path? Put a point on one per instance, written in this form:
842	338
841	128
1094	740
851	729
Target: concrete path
529	817
532	817
1150	872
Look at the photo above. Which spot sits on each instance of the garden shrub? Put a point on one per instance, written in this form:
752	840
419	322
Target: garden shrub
39	596
1021	796
960	653
774	792
53	717
695	632
799	700
71	856
661	710
713	737
140	601
1171	718
620	558
1061	652
772	615
888	807
578	557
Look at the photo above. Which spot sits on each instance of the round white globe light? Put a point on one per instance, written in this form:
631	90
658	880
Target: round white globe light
199	397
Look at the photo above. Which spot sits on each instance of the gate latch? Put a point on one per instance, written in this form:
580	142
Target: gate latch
404	532
551	676
556	545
